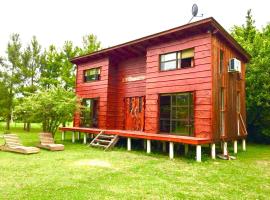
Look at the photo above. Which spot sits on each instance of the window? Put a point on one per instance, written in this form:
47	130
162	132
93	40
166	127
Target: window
89	113
222	110
91	74
221	58
177	113
177	60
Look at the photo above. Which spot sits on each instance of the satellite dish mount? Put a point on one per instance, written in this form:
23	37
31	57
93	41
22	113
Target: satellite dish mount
194	12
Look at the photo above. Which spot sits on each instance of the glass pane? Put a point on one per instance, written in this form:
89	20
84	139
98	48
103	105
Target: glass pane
92	74
182	99
168	65
182	113
165	107
165	126
168	57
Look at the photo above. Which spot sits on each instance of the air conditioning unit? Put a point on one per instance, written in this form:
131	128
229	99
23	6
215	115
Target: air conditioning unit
235	65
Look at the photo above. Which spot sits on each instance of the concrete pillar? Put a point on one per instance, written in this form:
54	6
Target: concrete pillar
171	150
235	146
129	144
186	149
244	144
84	138
73	137
213	151
198	153
164	147
63	135
225	148
148	146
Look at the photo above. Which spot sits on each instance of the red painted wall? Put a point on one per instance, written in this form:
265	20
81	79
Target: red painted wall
95	89
197	79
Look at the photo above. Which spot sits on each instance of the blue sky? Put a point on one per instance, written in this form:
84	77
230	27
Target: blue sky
114	22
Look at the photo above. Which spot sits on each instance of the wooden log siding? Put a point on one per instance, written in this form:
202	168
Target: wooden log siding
94	89
196	79
231	84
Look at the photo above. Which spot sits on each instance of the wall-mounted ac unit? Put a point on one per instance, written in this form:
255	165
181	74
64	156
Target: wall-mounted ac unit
235	65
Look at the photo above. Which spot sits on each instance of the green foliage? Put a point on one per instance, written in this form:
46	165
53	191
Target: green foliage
90	44
257	43
51	108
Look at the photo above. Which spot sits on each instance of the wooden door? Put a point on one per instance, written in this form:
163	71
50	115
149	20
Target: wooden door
134	113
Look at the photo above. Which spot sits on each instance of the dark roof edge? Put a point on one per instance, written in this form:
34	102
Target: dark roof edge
211	20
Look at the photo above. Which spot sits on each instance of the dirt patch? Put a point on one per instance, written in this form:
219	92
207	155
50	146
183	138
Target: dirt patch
93	163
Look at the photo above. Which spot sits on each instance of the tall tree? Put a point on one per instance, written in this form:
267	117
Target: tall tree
12	73
90	44
257	43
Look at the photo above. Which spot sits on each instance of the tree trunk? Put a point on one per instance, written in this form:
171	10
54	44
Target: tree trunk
24	126
28	126
8	124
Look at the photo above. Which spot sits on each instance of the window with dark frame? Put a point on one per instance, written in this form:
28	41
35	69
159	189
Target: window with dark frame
177	113
177	60
91	74
221	59
89	113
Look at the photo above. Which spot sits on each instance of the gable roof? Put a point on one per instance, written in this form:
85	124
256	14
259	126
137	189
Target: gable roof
204	24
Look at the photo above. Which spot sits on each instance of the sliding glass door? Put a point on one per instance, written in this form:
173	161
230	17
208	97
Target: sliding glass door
89	113
177	113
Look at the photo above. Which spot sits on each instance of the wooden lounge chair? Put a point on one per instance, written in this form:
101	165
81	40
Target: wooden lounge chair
13	144
47	142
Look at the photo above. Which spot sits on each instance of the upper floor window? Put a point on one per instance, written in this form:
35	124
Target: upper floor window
91	74
221	59
177	60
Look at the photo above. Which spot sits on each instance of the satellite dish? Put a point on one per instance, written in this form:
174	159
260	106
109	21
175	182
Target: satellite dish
194	11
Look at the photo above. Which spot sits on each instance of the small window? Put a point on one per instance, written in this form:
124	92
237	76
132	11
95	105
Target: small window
221	56
91	74
177	60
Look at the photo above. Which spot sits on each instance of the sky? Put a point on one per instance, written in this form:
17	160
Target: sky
114	21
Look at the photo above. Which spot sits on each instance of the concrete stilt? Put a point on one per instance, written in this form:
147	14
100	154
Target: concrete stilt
164	147
73	137
63	135
129	144
198	153
84	138
244	144
225	148
171	150
148	146
213	151
235	146
186	149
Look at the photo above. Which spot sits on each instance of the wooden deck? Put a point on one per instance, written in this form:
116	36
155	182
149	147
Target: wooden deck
142	135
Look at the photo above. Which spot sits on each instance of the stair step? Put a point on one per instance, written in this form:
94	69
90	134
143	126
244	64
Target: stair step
99	145
107	136
103	141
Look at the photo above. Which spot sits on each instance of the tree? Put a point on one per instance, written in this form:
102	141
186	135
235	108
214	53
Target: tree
11	72
50	107
90	44
257	44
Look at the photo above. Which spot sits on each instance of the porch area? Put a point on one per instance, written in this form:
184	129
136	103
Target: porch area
148	137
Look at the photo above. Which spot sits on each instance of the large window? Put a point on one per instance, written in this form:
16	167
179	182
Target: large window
177	60
89	113
177	113
91	74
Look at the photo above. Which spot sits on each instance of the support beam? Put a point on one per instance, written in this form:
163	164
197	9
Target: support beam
63	135
225	148
148	146
129	144
213	151
164	147
186	149
73	137
244	144
235	146
171	150
198	153
84	138
79	135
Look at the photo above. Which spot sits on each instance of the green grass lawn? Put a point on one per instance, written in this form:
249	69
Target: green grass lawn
82	172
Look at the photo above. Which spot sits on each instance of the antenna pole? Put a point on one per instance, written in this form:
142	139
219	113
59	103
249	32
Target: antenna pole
191	19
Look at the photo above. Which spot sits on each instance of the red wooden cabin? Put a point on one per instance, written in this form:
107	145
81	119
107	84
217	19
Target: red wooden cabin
171	86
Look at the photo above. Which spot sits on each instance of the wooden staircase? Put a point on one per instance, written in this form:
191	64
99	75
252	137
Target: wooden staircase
104	141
